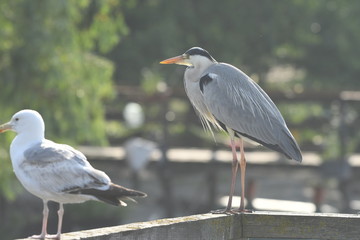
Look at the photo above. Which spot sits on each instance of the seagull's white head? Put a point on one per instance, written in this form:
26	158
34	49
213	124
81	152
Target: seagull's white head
25	122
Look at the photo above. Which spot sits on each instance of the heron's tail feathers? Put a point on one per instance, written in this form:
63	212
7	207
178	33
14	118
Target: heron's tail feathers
290	147
285	144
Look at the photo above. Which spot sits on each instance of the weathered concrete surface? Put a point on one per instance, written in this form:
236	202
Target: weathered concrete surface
205	226
232	227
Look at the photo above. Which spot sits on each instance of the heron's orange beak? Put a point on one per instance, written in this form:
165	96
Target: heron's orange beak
5	127
181	60
173	60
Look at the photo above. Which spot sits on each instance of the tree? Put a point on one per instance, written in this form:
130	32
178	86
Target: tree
48	63
319	37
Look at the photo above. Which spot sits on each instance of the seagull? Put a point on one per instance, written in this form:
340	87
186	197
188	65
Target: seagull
226	98
57	172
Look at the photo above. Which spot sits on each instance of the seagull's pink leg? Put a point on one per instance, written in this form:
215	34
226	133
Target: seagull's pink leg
44	222
60	218
60	214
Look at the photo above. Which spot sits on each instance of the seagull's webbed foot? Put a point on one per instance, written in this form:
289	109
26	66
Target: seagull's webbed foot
41	236
54	236
47	236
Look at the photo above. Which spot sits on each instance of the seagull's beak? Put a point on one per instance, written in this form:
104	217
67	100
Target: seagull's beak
181	60
5	127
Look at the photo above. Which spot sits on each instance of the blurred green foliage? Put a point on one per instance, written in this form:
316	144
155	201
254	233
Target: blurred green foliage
320	37
50	62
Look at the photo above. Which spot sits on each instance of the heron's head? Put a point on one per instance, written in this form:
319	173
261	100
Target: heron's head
192	57
25	121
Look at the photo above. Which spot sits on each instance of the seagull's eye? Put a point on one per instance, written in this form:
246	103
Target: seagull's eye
16	119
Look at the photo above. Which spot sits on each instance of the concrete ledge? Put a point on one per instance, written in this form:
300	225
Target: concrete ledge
205	226
231	227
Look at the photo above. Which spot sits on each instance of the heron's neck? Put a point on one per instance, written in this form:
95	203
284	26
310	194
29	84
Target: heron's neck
194	72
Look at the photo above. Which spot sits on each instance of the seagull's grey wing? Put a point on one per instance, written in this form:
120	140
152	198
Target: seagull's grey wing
61	168
240	104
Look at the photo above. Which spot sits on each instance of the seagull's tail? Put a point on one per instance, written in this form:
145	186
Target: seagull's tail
114	195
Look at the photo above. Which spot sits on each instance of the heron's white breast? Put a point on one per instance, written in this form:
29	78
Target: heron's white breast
192	87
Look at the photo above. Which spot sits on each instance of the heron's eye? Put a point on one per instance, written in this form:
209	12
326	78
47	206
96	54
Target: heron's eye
16	119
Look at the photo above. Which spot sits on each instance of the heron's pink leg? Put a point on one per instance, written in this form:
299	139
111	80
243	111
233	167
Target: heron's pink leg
234	169
242	171
233	175
44	222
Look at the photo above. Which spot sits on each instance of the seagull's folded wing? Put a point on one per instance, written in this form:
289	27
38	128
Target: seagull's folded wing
60	168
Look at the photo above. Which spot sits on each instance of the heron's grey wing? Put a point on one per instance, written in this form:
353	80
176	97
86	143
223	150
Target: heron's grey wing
61	168
239	103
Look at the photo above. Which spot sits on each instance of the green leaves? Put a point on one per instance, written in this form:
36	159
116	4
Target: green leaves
48	62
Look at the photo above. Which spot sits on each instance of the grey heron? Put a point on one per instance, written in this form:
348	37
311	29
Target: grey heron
226	98
57	172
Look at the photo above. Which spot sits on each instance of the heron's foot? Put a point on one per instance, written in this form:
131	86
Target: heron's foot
224	211
239	210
